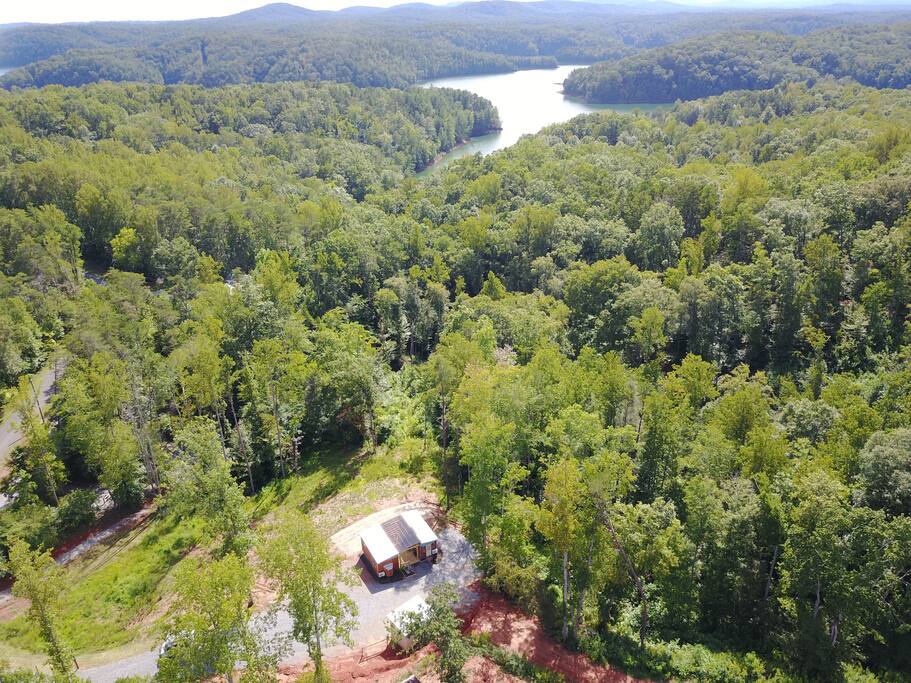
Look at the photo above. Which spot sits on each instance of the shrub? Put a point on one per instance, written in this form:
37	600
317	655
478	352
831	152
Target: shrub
36	524
674	660
520	584
514	663
76	511
10	675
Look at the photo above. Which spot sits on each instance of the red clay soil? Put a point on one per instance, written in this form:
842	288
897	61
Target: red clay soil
508	627
512	629
115	522
387	667
480	670
384	667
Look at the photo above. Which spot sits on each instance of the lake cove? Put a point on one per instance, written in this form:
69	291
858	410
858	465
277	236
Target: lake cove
527	102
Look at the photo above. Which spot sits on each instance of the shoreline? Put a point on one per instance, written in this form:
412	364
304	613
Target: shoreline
513	92
459	145
429	83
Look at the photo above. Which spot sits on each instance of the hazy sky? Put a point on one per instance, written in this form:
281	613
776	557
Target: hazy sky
100	10
92	10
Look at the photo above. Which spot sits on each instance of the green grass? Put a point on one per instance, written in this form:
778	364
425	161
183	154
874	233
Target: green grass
119	590
113	587
323	474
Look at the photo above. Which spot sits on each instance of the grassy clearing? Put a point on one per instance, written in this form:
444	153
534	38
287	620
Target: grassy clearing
120	589
114	587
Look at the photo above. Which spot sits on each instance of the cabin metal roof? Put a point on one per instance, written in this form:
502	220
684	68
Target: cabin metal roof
396	535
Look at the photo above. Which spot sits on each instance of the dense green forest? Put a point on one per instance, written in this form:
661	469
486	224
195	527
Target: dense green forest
160	179
660	364
878	56
389	48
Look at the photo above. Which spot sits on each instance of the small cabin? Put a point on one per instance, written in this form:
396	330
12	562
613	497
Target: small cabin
397	543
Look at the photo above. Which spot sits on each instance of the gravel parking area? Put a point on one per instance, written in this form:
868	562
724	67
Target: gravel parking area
374	600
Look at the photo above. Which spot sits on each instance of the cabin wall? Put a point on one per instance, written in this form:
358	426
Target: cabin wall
379	569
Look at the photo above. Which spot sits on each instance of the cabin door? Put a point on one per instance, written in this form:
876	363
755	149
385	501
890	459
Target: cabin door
410	556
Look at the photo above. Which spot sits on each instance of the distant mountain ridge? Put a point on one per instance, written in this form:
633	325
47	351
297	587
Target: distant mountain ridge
391	47
276	11
284	12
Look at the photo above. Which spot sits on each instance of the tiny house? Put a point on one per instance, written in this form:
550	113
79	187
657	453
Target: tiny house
399	542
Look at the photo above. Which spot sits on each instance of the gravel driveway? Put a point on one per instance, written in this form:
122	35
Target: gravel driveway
374	600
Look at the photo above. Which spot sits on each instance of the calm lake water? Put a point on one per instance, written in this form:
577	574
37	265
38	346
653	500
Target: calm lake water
527	101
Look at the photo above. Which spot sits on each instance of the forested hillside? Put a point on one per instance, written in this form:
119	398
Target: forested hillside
660	364
693	411
878	56
147	175
391	48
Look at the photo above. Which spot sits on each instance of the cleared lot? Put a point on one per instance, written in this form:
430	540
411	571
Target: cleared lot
374	599
348	540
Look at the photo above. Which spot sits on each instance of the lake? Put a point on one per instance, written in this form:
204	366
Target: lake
527	102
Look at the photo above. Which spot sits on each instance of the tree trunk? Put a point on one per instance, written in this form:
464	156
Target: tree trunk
316	653
633	574
768	585
279	447
50	481
220	416
371	430
817	604
565	631
137	418
580	597
833	630
444	437
37	398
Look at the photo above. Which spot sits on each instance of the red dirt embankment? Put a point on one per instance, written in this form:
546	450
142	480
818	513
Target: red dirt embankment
512	629
508	627
363	667
389	668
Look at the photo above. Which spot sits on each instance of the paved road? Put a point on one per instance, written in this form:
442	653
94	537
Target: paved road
9	428
374	600
10	433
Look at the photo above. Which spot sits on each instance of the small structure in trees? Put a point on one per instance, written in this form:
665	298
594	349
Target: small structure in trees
404	621
397	543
